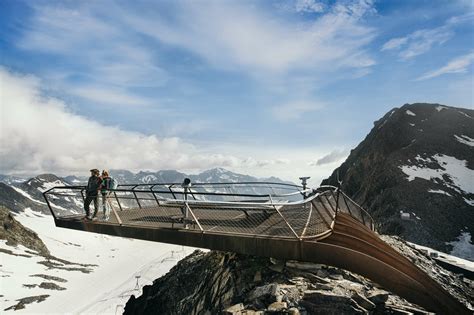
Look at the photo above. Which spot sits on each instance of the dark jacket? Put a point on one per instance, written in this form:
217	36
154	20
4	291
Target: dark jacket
93	185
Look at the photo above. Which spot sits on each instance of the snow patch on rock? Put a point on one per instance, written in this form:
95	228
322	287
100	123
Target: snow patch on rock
409	112
465	140
25	194
461	178
469	201
463	113
439	191
48	185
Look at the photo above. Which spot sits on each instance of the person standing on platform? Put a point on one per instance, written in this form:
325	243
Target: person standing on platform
105	186
92	193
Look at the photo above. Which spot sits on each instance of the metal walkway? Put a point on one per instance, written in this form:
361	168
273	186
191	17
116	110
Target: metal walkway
265	219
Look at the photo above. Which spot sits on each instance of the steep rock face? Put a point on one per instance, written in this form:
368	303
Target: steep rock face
12	199
16	234
199	283
417	160
226	283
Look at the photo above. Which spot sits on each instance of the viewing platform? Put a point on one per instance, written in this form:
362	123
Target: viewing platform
279	220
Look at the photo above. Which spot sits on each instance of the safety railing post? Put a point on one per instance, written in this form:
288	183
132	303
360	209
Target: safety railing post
337	199
171	190
194	217
186	186
49	205
118	201
308	220
284	219
115	212
154	195
136	198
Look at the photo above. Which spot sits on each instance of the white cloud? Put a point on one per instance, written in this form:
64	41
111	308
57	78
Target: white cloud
40	134
332	157
457	65
103	59
309	6
234	35
418	42
421	41
294	110
394	43
107	95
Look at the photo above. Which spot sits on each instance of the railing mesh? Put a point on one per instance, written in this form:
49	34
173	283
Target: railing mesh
284	212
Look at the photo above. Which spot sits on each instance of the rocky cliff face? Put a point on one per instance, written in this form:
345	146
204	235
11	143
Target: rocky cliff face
226	283
414	172
16	234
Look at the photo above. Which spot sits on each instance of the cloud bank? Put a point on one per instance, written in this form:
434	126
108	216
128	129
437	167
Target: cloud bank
41	134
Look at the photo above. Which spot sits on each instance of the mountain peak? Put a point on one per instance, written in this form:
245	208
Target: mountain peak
418	159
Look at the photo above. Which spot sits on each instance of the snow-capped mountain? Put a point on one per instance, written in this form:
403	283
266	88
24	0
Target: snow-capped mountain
215	175
74	180
9	179
29	194
37	185
17	200
414	172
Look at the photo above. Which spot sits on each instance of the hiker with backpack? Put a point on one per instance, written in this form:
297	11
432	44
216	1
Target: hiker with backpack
106	184
92	193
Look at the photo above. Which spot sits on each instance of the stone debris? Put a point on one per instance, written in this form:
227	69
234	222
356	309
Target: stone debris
27	300
277	306
228	283
234	309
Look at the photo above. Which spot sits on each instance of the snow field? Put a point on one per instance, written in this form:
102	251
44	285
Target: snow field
102	291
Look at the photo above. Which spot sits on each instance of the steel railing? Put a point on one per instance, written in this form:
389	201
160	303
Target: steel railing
250	208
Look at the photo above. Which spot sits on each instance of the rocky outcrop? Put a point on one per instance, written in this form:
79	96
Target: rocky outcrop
414	174
227	283
16	234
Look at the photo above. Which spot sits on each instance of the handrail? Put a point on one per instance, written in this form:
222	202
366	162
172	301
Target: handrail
201	193
361	208
218	184
205	193
146	197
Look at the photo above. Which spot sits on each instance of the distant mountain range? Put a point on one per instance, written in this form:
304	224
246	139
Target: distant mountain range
17	193
215	175
414	172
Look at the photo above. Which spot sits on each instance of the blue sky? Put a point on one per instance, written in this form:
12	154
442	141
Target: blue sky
281	88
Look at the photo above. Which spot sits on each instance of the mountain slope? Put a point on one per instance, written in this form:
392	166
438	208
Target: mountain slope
17	200
417	160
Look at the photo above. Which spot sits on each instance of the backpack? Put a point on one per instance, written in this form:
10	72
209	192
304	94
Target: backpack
113	183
